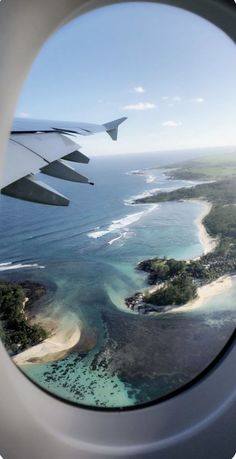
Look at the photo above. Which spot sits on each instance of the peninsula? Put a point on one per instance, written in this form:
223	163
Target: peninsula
178	282
29	336
17	330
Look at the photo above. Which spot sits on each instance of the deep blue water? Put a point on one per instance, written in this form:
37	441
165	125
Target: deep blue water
89	251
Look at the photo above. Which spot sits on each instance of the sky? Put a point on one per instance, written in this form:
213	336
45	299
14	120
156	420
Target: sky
170	72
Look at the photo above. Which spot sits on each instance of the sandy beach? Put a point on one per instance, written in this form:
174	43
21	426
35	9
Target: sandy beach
205	293
64	335
208	243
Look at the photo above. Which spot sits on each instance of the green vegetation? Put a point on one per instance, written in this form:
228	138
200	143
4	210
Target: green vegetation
222	221
16	331
222	192
181	278
208	167
161	269
176	292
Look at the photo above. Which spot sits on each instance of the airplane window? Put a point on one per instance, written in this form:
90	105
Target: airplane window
119	294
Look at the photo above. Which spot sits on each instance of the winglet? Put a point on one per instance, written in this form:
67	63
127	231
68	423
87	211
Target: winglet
112	127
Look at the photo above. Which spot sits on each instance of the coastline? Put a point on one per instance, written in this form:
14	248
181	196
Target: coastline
208	243
64	336
205	293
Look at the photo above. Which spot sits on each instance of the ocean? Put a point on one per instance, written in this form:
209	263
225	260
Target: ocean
86	254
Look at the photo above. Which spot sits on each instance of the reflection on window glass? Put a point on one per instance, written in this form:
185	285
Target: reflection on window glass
129	293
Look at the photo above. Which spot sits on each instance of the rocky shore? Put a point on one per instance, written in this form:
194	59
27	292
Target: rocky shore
137	304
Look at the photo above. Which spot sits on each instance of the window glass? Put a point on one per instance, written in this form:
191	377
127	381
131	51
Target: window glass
127	294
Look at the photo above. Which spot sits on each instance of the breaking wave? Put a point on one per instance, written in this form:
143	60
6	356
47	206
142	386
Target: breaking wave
145	194
143	173
120	226
118	238
136	172
9	266
152	191
150	179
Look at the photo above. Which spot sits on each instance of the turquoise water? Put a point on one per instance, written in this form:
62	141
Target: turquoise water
87	254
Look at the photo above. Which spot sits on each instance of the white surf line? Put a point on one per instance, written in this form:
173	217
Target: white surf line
122	223
10	266
115	239
138	172
153	191
150	178
145	194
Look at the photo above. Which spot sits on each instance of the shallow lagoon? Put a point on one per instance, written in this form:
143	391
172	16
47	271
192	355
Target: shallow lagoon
89	252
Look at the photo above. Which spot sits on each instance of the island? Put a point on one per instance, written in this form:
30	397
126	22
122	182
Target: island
177	282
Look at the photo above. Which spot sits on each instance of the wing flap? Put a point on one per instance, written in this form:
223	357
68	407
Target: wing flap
77	157
30	189
40	146
29	154
61	170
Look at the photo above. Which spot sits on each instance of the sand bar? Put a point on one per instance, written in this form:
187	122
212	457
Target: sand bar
65	335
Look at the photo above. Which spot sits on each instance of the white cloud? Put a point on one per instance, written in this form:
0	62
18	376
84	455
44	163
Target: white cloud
172	99
139	89
176	99
172	124
23	115
140	106
198	100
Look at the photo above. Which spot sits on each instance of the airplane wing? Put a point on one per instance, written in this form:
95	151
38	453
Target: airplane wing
46	146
